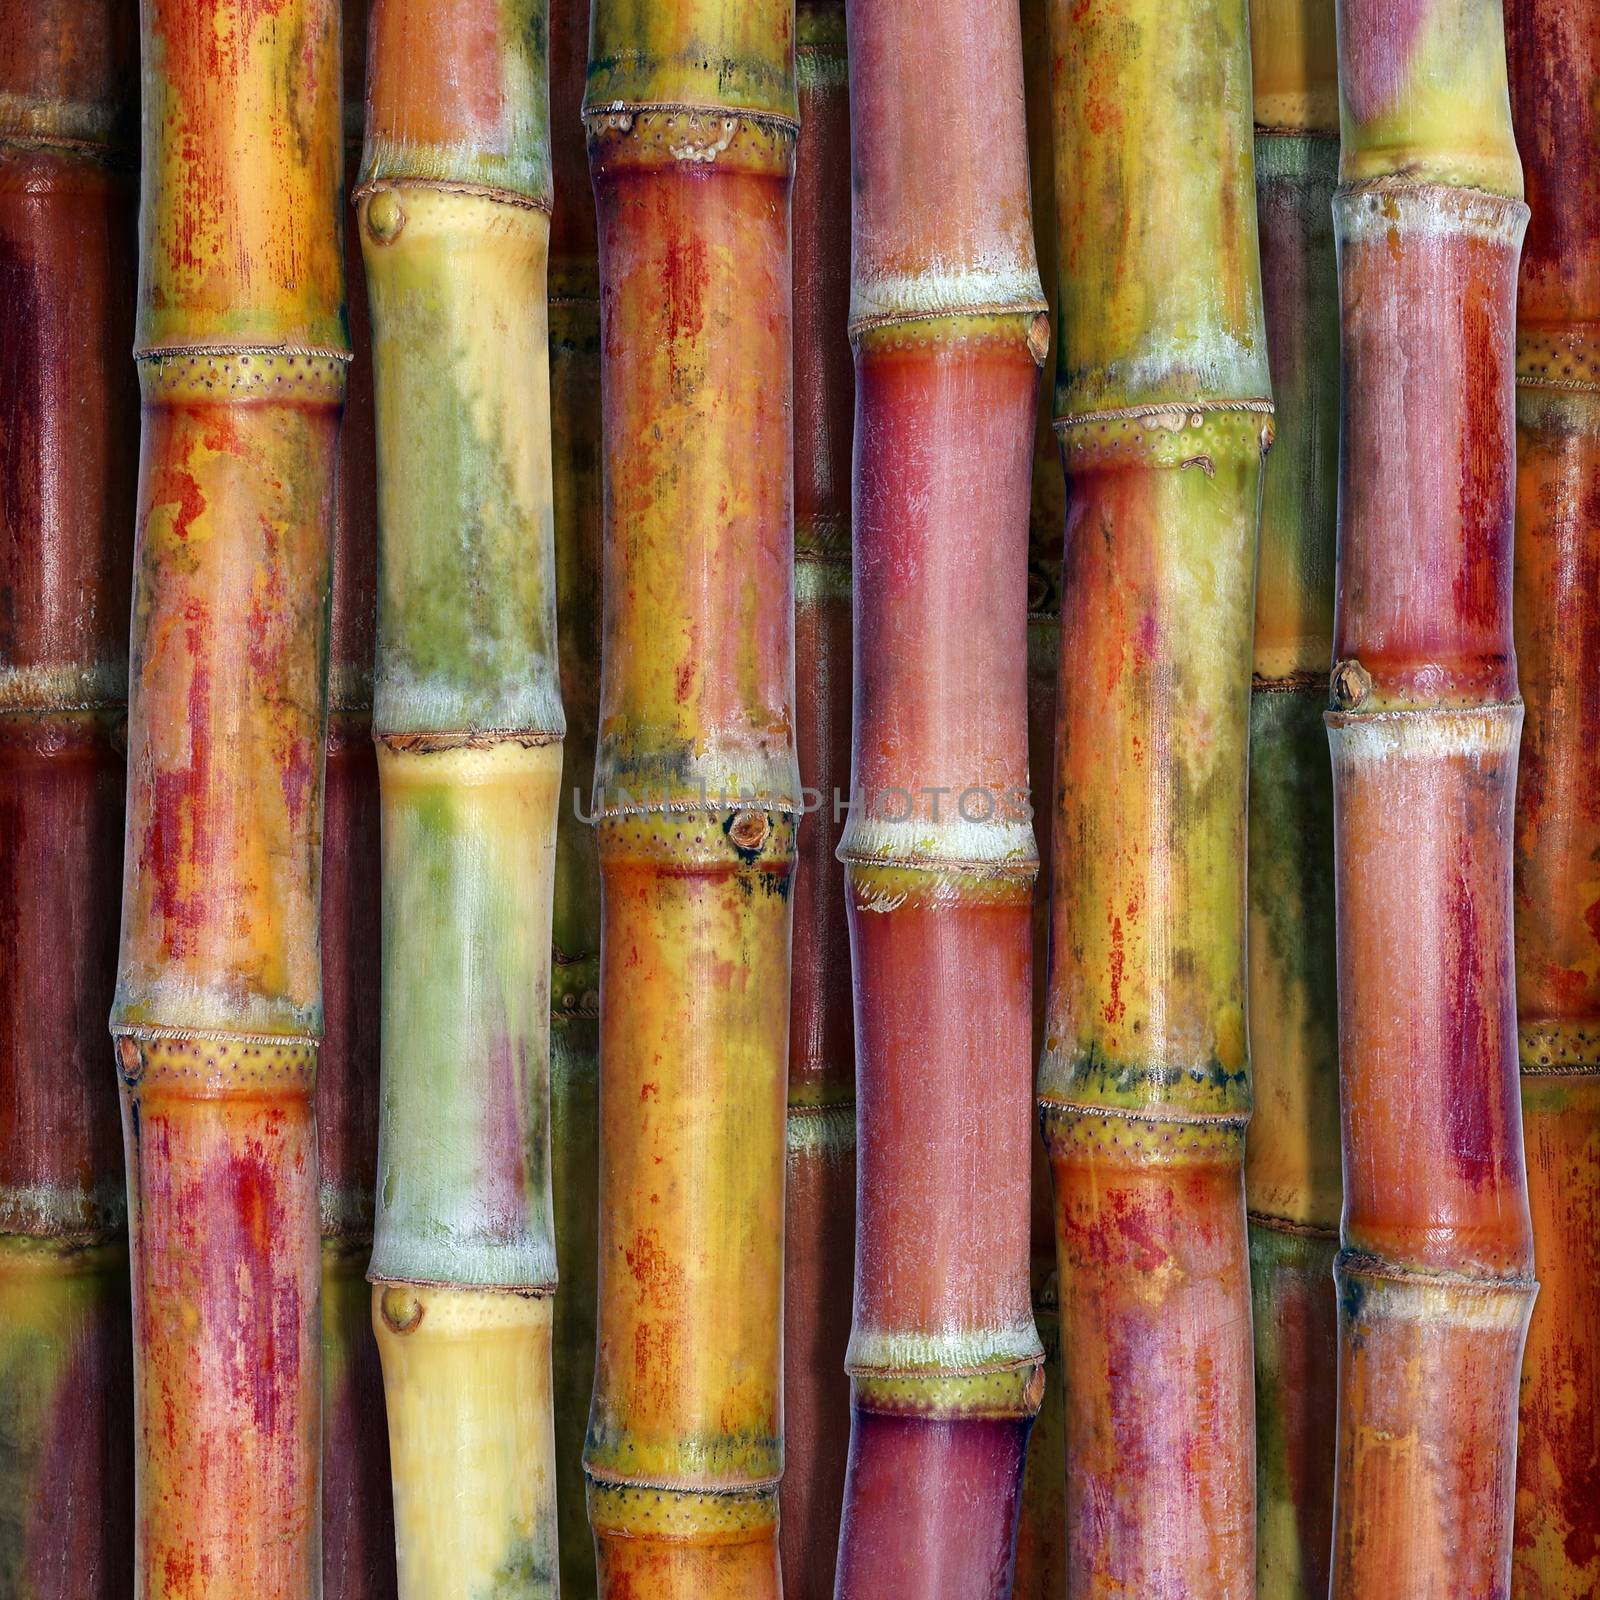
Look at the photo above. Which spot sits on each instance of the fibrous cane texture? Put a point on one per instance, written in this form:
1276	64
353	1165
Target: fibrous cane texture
67	449
949	329
691	115
1435	1265
1292	1180
1554	60
1163	415
240	343
819	1231
455	220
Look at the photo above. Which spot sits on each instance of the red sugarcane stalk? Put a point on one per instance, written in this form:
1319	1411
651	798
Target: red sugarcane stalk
949	327
67	408
1435	1266
1554	60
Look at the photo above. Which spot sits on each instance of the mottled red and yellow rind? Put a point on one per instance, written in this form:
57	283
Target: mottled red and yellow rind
1557	1548
691	118
1163	415
1147	1006
242	154
1553	49
222	1199
1433	1273
1435	1266
240	342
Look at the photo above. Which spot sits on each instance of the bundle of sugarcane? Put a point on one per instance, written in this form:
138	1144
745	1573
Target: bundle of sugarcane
454	210
949	328
241	350
819	1231
575	975
692	118
67	408
1163	416
1554	57
1435	1267
1292	1178
357	1514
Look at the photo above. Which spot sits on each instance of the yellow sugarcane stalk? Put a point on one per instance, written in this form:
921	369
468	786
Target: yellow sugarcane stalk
454	213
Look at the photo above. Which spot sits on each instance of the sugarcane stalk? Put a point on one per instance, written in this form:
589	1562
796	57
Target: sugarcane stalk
357	1506
1292	1180
575	975
1041	1572
691	116
949	328
241	351
67	404
1435	1264
819	1221
1163	415
1553	48
454	207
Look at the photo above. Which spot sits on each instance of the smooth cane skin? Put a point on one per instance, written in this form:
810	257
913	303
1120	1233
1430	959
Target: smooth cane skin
1292	1181
467	1384
575	975
1435	1266
455	223
691	117
67	453
1163	413
1554	63
948	324
241	352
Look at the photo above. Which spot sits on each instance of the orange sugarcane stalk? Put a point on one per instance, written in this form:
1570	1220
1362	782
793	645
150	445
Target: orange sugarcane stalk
67	407
357	1505
1163	414
575	975
949	328
691	114
1554	59
819	1232
1435	1265
1292	1180
241	348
